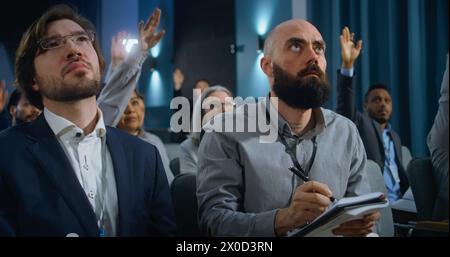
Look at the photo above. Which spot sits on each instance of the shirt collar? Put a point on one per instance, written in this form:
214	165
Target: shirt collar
61	126
284	128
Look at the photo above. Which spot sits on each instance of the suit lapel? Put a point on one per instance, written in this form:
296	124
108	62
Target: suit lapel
56	166
377	128
123	182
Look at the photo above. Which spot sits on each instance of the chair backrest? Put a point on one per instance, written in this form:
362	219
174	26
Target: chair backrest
420	176
385	226
175	166
183	190
406	156
173	150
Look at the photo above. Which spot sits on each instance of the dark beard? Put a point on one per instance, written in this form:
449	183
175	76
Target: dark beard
299	92
59	91
380	120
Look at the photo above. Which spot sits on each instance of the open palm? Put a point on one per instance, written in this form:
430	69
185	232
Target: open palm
147	32
349	51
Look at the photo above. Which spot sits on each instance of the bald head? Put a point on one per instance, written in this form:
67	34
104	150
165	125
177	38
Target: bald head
288	28
293	46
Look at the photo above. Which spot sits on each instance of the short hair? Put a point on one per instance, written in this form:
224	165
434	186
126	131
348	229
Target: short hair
28	47
198	105
139	94
373	87
14	98
201	80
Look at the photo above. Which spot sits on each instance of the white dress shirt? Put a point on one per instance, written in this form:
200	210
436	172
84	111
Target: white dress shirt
92	163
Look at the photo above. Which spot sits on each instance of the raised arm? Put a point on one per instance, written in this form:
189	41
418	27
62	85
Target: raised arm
123	78
346	91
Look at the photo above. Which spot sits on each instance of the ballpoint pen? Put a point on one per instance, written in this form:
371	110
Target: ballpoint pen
306	179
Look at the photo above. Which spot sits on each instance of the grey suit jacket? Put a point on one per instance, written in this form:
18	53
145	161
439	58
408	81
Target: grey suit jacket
369	130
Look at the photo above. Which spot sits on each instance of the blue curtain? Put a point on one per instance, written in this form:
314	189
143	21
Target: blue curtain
405	43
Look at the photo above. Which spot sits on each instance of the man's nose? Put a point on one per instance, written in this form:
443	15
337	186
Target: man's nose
73	50
312	56
129	109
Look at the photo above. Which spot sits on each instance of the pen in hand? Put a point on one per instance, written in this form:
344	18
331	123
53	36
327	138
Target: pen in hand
306	179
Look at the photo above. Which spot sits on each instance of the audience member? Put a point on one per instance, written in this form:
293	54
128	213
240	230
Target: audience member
381	142
189	147
132	122
438	146
4	118
67	173
244	185
20	109
200	86
125	70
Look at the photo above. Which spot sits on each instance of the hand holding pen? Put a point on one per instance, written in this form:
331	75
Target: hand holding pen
306	179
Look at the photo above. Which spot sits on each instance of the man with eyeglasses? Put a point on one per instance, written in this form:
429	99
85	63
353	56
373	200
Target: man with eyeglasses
67	174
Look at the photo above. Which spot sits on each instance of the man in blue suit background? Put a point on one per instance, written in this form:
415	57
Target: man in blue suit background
67	173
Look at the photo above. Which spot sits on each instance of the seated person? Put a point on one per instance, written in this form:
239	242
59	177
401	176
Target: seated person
20	109
67	173
244	183
199	87
381	142
132	122
438	146
189	147
4	118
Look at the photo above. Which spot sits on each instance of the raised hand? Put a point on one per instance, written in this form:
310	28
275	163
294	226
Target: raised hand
178	78
147	32
118	51
349	51
3	95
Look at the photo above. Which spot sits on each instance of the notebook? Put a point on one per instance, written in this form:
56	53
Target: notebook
343	210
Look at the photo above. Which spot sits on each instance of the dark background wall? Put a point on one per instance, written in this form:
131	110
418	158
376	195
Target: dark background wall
17	17
204	31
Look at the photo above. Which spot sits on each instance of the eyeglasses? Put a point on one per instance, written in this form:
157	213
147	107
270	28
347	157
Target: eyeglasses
82	38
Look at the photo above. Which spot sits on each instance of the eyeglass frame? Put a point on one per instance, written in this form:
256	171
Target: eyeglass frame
89	33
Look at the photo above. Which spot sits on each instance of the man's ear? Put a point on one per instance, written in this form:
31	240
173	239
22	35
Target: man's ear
12	111
35	86
267	66
365	106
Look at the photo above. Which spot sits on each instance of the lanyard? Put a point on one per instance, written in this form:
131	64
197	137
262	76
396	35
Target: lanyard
100	221
293	156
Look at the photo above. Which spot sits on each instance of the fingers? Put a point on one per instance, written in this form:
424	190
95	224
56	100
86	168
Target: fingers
372	217
360	227
346	34
147	31
359	46
152	22
158	37
355	232
342	40
316	187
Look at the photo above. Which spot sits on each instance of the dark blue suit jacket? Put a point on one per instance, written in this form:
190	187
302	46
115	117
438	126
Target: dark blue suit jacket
40	194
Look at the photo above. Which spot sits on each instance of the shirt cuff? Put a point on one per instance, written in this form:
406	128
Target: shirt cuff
265	224
347	72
